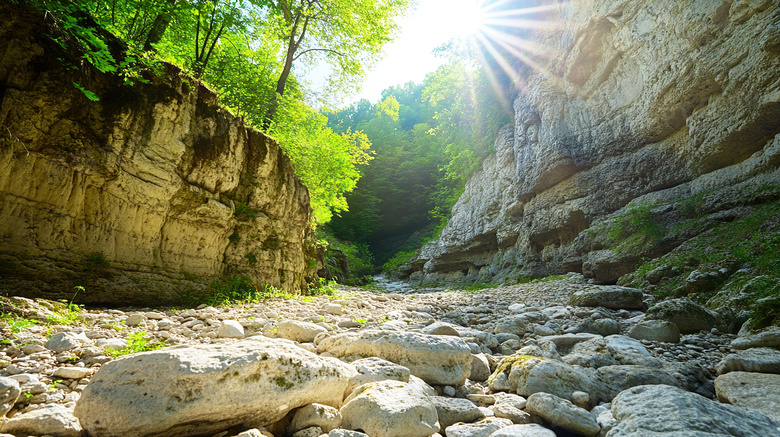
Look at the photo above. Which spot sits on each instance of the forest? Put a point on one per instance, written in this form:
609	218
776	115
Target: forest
382	175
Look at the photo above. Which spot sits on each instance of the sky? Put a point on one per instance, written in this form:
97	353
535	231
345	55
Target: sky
410	57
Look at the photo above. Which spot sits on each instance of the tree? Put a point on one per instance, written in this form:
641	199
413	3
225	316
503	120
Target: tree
347	33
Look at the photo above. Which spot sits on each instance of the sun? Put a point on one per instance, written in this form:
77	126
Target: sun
463	18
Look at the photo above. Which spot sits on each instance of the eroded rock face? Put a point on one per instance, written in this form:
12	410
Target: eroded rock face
641	104
148	194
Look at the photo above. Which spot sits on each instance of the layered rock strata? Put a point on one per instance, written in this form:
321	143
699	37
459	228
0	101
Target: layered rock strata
143	197
640	105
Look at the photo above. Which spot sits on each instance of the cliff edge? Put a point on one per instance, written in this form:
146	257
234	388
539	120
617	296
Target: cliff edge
649	123
144	197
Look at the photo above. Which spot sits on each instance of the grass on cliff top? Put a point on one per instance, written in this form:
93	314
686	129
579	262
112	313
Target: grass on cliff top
747	249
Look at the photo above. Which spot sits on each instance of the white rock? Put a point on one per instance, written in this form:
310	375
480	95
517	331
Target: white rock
437	359
376	369
72	372
388	409
9	392
135	319
530	430
333	308
483	428
65	341
325	417
52	419
183	390
759	391
480	368
230	329
303	332
453	410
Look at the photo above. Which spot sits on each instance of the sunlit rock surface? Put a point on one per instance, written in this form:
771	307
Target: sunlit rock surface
146	196
640	104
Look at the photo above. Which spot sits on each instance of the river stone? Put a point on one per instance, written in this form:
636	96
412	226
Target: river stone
665	411
655	330
689	316
480	368
454	410
759	391
65	341
608	351
72	372
530	430
376	369
760	359
612	297
185	390
564	342
230	329
9	393
303	332
768	338
528	375
483	428
388	409
437	359
560	412
441	328
54	420
507	411
617	378
322	416
514	324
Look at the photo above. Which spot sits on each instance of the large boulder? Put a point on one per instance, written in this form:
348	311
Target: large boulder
376	369
689	316
484	428
655	330
388	409
608	351
622	377
437	359
759	391
528	375
453	410
9	393
187	390
613	297
664	411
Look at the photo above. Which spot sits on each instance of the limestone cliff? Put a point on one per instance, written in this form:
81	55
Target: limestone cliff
640	105
144	197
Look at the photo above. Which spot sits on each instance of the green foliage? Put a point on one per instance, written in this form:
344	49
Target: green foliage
97	263
636	228
400	258
89	94
240	289
243	212
358	257
322	287
17	325
136	342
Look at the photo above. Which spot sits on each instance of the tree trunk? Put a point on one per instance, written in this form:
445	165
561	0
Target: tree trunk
159	27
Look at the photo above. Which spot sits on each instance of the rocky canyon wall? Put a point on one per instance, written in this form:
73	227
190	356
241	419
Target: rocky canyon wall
144	197
639	106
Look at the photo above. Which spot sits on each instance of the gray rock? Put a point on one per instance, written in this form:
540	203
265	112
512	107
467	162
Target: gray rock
453	410
483	428
135	319
65	341
72	372
171	390
761	360
655	330
661	410
689	316
346	433
53	419
759	391
565	342
312	431
560	412
508	411
390	408
9	392
514	324
480	368
437	359
530	430
608	351
618	378
767	338
613	297
440	328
